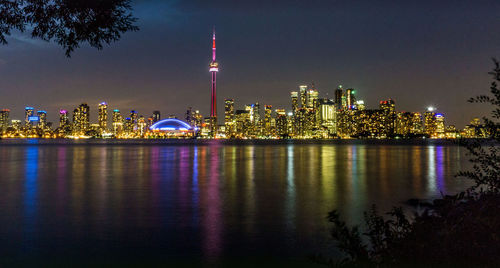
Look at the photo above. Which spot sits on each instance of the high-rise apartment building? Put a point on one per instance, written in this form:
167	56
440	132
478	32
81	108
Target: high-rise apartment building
28	112
141	126
281	123
42	119
4	119
256	113
295	101
229	118
156	116
388	119
243	124
339	93
303	96
117	122
440	127
430	124
63	119
81	119
327	118
267	126
417	127
103	116
312	98
350	99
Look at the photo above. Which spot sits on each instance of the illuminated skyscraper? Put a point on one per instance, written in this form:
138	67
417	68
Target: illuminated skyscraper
156	116
103	116
404	123
28	112
85	116
388	108
117	122
63	119
295	101
81	119
256	113
76	122
281	123
312	98
303	96
141	126
328	119
133	116
229	118
42	119
214	68
4	119
268	110
128	126
430	124
190	116
243	125
350	98
440	127
417	124
339	93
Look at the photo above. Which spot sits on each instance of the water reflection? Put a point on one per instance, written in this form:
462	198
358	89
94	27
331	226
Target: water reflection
204	201
30	195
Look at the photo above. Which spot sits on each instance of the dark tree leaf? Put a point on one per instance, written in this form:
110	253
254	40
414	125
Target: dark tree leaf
70	23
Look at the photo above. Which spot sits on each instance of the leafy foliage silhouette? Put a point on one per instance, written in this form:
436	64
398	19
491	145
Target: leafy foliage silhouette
69	23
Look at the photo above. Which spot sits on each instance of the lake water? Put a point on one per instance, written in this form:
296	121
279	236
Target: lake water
202	202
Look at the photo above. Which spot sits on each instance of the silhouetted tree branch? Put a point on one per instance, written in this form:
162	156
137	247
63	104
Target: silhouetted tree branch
485	156
70	23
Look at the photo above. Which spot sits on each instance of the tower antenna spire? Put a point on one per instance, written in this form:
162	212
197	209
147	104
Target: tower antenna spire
213	45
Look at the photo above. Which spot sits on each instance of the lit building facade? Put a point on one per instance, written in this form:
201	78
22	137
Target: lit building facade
103	117
350	99
268	130
28	112
281	124
303	95
42	119
4	120
117	122
388	108
229	118
430	123
156	116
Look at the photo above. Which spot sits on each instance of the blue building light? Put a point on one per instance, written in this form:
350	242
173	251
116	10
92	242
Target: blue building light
171	124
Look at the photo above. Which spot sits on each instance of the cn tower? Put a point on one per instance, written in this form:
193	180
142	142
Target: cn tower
214	68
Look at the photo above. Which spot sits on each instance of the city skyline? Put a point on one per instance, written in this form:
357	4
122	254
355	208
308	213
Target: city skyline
311	117
166	69
342	116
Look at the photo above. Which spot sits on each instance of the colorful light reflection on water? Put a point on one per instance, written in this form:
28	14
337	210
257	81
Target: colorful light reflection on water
206	202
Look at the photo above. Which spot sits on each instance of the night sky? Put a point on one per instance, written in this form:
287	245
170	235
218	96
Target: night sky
419	53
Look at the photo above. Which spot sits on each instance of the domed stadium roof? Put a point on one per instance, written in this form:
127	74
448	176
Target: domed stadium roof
171	125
